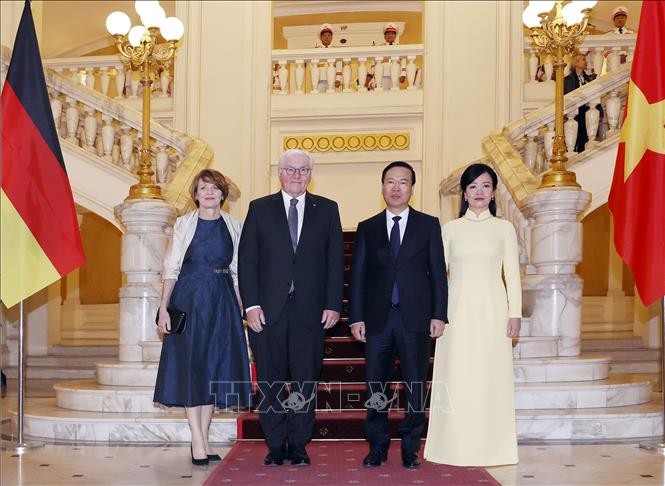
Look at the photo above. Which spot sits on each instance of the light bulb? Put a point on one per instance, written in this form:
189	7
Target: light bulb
172	29
118	23
153	17
143	6
542	6
530	17
135	35
572	14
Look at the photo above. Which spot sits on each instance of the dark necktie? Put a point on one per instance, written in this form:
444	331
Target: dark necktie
620	30
394	249
293	223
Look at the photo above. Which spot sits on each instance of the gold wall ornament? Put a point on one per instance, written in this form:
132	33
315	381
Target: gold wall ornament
350	142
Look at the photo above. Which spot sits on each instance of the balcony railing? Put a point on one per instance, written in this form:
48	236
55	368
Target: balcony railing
347	69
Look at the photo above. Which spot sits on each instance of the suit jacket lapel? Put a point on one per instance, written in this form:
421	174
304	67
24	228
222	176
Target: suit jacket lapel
308	219
281	221
410	234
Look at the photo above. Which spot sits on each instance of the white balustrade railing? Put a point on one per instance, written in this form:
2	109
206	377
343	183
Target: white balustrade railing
347	69
110	76
111	131
605	54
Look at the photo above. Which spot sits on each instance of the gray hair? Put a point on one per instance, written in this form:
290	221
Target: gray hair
295	153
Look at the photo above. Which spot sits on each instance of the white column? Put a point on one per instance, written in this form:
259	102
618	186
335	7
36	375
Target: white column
555	292
144	244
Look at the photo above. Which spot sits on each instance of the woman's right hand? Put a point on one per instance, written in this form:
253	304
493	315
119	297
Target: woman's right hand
164	322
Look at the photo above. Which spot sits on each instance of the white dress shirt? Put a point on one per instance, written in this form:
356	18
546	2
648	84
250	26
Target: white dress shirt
402	222
300	207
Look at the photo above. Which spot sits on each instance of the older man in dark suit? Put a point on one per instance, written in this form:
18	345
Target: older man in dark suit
398	302
290	269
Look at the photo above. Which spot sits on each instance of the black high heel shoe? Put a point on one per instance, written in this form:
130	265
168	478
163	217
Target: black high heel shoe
197	462
214	457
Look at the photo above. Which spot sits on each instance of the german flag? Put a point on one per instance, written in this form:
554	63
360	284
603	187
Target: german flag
637	196
39	234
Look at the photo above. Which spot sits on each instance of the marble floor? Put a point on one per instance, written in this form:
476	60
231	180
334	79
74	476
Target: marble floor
156	464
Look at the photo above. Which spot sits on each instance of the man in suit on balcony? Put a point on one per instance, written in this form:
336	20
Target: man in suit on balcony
398	302
290	269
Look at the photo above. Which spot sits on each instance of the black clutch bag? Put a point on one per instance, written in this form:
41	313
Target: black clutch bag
178	320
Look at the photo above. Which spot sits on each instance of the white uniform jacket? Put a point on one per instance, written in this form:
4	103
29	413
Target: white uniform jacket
183	232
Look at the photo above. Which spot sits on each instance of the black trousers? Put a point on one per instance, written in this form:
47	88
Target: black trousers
413	350
286	351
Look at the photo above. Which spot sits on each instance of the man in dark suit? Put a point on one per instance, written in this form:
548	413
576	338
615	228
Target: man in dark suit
290	268
398	302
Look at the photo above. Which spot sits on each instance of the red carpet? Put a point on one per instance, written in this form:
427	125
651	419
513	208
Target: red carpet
337	463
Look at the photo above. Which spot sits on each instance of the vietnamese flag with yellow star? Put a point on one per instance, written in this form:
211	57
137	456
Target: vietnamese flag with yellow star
637	196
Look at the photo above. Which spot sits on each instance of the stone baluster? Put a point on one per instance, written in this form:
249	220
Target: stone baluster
533	66
74	73
614	59
105	80
598	60
164	79
56	108
119	81
300	76
630	51
531	151
362	74
346	75
99	144
592	119
331	75
378	73
90	129
394	73
283	78
162	165
144	244
90	78
314	72
411	70
108	137
613	108
115	151
126	147
134	83
72	119
548	67
570	132
548	141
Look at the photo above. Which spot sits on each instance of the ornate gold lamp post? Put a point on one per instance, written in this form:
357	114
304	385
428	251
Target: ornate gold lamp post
557	29
140	51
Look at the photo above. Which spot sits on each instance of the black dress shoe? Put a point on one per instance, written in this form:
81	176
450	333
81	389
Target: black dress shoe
214	457
410	460
198	462
375	458
299	457
275	457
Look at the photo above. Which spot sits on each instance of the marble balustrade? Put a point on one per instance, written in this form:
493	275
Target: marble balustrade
301	71
110	76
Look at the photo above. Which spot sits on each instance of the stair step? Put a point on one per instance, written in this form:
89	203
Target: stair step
636	366
89	361
595	344
58	350
626	354
535	347
46	373
607	326
607	335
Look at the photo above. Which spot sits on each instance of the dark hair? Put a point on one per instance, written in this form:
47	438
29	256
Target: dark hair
469	175
211	176
399	163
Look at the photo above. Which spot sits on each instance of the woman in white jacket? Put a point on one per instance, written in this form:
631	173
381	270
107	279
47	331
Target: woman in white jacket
207	364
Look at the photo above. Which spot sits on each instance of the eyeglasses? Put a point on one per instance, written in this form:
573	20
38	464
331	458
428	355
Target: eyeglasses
292	170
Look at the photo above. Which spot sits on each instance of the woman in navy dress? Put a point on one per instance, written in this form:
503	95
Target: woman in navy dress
207	365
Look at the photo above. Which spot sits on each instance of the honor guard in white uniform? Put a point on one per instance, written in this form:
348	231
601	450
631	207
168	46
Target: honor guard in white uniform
390	33
326	33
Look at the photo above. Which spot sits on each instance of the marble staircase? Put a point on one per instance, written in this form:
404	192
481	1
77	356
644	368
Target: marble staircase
65	362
